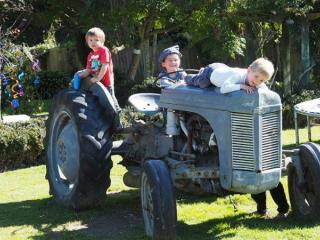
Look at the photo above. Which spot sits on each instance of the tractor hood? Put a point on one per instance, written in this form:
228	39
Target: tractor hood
177	96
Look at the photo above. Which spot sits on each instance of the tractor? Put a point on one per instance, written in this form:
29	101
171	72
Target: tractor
203	142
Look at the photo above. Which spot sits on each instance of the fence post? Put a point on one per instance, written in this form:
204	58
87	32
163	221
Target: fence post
0	98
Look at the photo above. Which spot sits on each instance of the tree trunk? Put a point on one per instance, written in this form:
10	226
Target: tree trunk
135	61
305	54
250	45
286	60
153	59
146	59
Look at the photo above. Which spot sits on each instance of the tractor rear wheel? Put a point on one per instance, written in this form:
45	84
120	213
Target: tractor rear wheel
78	147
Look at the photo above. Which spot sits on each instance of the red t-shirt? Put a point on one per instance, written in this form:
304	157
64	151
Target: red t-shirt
95	60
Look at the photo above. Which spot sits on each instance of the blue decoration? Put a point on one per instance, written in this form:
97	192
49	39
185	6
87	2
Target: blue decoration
36	81
5	80
15	103
21	76
76	81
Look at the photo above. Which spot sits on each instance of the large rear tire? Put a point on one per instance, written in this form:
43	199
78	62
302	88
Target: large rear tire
78	147
305	197
158	201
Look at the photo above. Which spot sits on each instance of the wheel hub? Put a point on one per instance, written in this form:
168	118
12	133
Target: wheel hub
62	152
66	152
147	205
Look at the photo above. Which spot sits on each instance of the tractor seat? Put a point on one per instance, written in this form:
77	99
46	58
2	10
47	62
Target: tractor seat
147	103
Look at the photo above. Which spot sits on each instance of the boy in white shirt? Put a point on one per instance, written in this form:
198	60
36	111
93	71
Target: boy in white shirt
231	79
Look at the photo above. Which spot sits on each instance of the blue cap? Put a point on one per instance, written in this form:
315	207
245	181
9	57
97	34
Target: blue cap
166	52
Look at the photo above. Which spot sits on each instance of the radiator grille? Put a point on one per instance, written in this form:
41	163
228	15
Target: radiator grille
242	142
270	144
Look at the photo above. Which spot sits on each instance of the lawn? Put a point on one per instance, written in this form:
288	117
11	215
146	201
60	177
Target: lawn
28	212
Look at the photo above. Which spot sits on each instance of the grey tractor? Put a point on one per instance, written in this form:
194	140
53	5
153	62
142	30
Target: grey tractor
204	142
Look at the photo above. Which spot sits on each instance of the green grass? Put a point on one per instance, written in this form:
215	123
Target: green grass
28	212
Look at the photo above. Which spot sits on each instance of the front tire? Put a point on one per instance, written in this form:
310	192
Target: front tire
78	147
305	197
158	201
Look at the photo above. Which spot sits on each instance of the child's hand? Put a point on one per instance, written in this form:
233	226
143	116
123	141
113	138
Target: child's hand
247	88
71	83
182	82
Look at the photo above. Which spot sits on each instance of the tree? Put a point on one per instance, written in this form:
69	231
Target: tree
142	21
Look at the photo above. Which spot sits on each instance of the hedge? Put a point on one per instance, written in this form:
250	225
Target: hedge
21	144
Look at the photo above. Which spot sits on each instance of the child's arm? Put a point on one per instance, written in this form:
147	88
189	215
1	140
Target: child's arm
101	73
229	86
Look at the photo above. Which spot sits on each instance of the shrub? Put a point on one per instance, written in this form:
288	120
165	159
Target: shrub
51	83
124	87
289	102
21	144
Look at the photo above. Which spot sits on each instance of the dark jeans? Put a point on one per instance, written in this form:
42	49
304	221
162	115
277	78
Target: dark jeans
202	79
86	84
278	196
116	104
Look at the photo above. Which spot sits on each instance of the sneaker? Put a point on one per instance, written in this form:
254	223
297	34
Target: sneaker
259	214
281	216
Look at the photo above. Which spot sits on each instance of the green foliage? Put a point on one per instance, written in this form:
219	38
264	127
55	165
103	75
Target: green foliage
21	144
49	42
124	88
129	116
34	97
51	83
16	59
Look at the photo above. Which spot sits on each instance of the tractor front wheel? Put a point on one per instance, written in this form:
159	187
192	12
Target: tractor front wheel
158	201
305	195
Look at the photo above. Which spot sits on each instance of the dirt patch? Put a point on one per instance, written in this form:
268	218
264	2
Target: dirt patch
108	226
114	224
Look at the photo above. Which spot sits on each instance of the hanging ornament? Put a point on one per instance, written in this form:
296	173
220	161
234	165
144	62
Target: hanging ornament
21	76
36	65
20	90
15	103
7	91
36	81
4	79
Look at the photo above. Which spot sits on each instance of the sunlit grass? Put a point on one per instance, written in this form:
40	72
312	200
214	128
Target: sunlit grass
28	212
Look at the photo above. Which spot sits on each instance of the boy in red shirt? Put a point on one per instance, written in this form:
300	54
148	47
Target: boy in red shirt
99	63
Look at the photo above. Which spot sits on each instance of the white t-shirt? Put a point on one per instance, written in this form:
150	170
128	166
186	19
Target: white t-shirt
229	78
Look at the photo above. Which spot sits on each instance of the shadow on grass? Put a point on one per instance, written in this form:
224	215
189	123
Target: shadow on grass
120	218
221	228
119	215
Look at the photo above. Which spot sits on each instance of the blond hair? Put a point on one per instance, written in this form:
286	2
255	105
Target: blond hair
263	66
96	32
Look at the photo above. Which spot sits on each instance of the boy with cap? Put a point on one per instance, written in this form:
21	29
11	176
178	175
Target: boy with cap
169	60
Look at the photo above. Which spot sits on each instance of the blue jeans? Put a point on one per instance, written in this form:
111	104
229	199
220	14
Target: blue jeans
202	79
